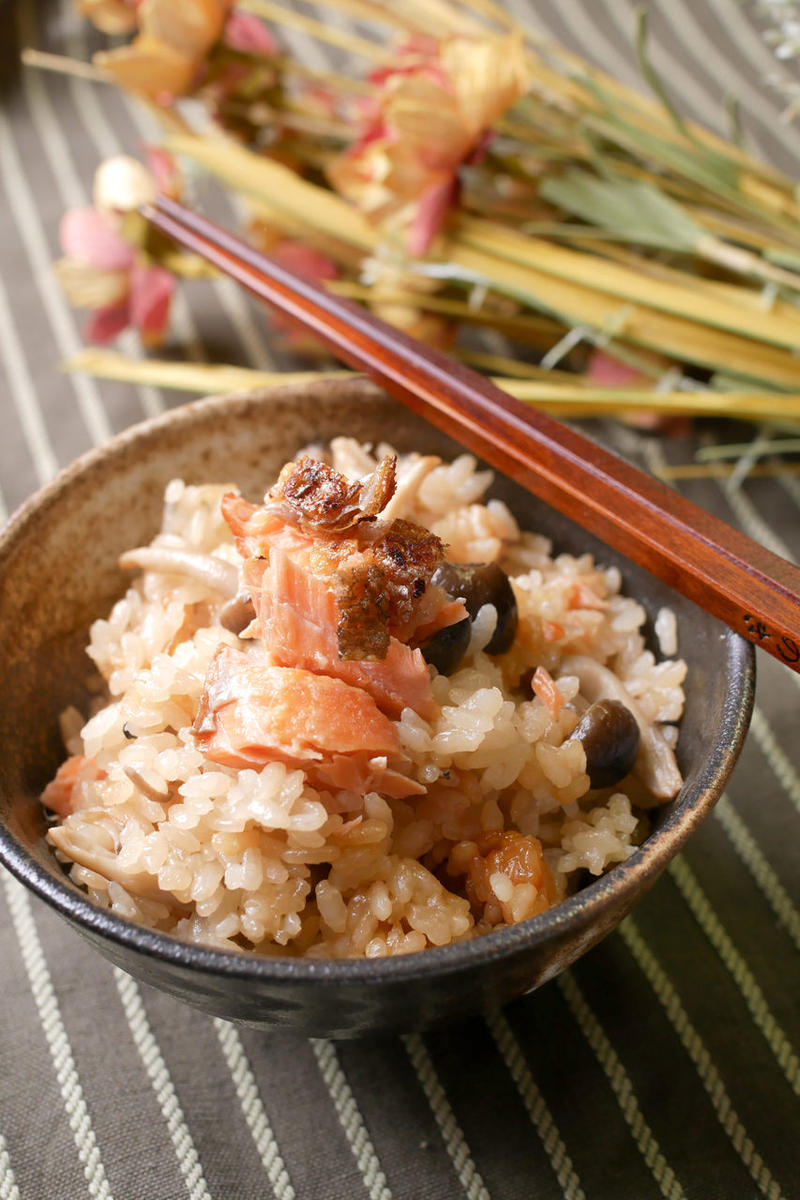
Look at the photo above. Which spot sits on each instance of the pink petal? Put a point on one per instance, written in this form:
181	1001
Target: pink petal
151	291
608	371
89	236
105	323
431	212
305	261
164	169
245	32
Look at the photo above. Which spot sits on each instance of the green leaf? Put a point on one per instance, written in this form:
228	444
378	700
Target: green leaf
626	209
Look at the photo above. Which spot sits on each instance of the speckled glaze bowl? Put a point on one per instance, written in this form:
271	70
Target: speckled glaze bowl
58	567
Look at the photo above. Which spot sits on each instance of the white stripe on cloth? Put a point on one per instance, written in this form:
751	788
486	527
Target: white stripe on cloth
576	15
8	1184
72	193
622	1088
694	1046
23	394
706	51
55	1033
351	1120
72	190
153	1062
791	486
739	971
59	315
680	80
759	866
682	874
452	1134
535	1106
253	1109
753	524
777	758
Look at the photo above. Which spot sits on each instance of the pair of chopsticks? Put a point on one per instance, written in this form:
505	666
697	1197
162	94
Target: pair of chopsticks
752	590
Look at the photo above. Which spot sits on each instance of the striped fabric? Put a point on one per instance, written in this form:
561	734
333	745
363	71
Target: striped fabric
665	1063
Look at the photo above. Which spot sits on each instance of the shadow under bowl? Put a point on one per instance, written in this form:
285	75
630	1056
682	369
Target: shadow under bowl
58	565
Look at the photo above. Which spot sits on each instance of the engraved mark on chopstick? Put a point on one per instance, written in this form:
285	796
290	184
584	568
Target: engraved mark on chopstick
758	632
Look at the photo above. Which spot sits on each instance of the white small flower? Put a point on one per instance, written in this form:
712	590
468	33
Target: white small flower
122	184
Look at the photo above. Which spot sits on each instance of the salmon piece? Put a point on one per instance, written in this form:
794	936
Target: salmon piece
256	529
59	795
304	609
298	618
252	713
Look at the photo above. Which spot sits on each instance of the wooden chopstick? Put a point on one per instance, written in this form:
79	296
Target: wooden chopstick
722	570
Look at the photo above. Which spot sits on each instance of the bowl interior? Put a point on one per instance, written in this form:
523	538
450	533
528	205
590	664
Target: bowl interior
58	563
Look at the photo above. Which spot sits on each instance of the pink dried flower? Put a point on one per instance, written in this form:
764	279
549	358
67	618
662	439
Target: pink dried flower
432	113
246	33
100	272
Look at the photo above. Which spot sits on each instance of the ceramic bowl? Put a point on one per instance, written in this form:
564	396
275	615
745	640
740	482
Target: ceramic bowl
58	566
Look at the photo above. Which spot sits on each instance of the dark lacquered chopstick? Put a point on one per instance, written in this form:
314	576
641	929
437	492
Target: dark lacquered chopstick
725	572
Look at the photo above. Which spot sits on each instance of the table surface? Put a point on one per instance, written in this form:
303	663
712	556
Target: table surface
664	1063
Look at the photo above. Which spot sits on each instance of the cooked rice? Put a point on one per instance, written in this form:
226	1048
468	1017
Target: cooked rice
245	859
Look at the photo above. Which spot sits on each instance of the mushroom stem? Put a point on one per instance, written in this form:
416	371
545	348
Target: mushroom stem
220	576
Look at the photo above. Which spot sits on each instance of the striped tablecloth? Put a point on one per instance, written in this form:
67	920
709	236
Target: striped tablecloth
664	1063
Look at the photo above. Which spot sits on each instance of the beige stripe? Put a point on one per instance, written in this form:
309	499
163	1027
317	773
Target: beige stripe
694	1046
351	1120
780	762
707	53
535	1106
159	1077
739	971
791	486
748	38
73	192
683	82
596	42
3	509
8	1184
622	1088
56	1035
452	1134
759	867
23	394
59	315
756	526
253	1109
747	516
684	878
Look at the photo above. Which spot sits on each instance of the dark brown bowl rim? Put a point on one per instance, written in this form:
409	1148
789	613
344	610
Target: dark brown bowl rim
570	915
